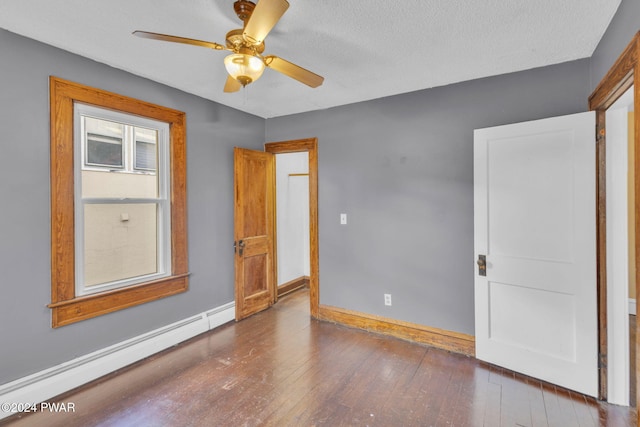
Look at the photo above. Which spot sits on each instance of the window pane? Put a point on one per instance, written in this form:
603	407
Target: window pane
96	183
104	143
145	150
120	242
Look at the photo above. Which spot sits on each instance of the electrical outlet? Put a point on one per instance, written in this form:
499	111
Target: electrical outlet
387	299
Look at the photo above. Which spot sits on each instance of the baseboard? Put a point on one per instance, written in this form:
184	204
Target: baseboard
447	340
59	379
632	306
293	285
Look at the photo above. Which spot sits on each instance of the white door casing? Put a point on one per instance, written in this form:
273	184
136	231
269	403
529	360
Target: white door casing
534	218
617	200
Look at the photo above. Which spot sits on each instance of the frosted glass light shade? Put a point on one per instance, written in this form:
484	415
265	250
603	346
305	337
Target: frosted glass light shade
244	68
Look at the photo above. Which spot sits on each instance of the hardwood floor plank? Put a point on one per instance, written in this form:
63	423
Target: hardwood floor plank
435	394
281	368
581	405
397	408
411	403
350	393
478	392
516	409
493	408
331	366
369	396
536	402
560	411
459	402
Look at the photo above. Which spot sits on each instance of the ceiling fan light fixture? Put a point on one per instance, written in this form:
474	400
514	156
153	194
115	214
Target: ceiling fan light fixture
243	67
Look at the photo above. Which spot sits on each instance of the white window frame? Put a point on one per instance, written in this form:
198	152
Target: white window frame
163	200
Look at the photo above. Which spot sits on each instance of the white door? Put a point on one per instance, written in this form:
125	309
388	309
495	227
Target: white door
535	219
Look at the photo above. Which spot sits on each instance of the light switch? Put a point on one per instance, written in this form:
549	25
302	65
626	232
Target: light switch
343	219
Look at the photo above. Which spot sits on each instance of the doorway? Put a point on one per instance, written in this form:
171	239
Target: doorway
619	246
308	150
292	222
623	76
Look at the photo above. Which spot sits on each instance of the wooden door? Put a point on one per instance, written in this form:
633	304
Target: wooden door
254	231
535	290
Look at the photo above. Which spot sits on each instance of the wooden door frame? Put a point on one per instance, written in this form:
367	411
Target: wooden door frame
309	145
624	73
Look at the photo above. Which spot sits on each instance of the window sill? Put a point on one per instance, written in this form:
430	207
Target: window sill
88	306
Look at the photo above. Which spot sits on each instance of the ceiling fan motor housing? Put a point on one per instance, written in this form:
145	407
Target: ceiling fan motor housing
244	9
236	41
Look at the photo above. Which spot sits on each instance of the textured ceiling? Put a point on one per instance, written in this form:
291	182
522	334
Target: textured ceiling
365	49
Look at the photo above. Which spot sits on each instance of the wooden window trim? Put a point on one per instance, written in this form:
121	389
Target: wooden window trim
66	307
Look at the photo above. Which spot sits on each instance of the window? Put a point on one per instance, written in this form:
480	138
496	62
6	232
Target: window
102	142
122	210
145	149
118	212
111	145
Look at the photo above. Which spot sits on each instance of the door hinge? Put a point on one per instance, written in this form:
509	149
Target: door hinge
600	133
602	361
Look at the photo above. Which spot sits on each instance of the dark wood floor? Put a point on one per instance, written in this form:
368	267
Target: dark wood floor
281	368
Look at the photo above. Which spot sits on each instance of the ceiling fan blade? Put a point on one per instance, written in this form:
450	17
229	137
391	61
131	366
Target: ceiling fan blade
176	39
294	71
232	85
263	18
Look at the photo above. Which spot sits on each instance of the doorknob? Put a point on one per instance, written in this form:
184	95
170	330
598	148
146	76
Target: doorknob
482	265
239	244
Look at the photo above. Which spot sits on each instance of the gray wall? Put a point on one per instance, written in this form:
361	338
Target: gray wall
28	344
624	25
402	169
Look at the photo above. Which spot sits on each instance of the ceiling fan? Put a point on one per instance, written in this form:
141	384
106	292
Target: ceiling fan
246	63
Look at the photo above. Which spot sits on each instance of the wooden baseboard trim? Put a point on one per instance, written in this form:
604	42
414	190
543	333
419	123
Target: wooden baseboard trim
447	340
293	285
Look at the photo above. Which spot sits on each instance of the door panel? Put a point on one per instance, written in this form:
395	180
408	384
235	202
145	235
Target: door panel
254	231
530	180
534	195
